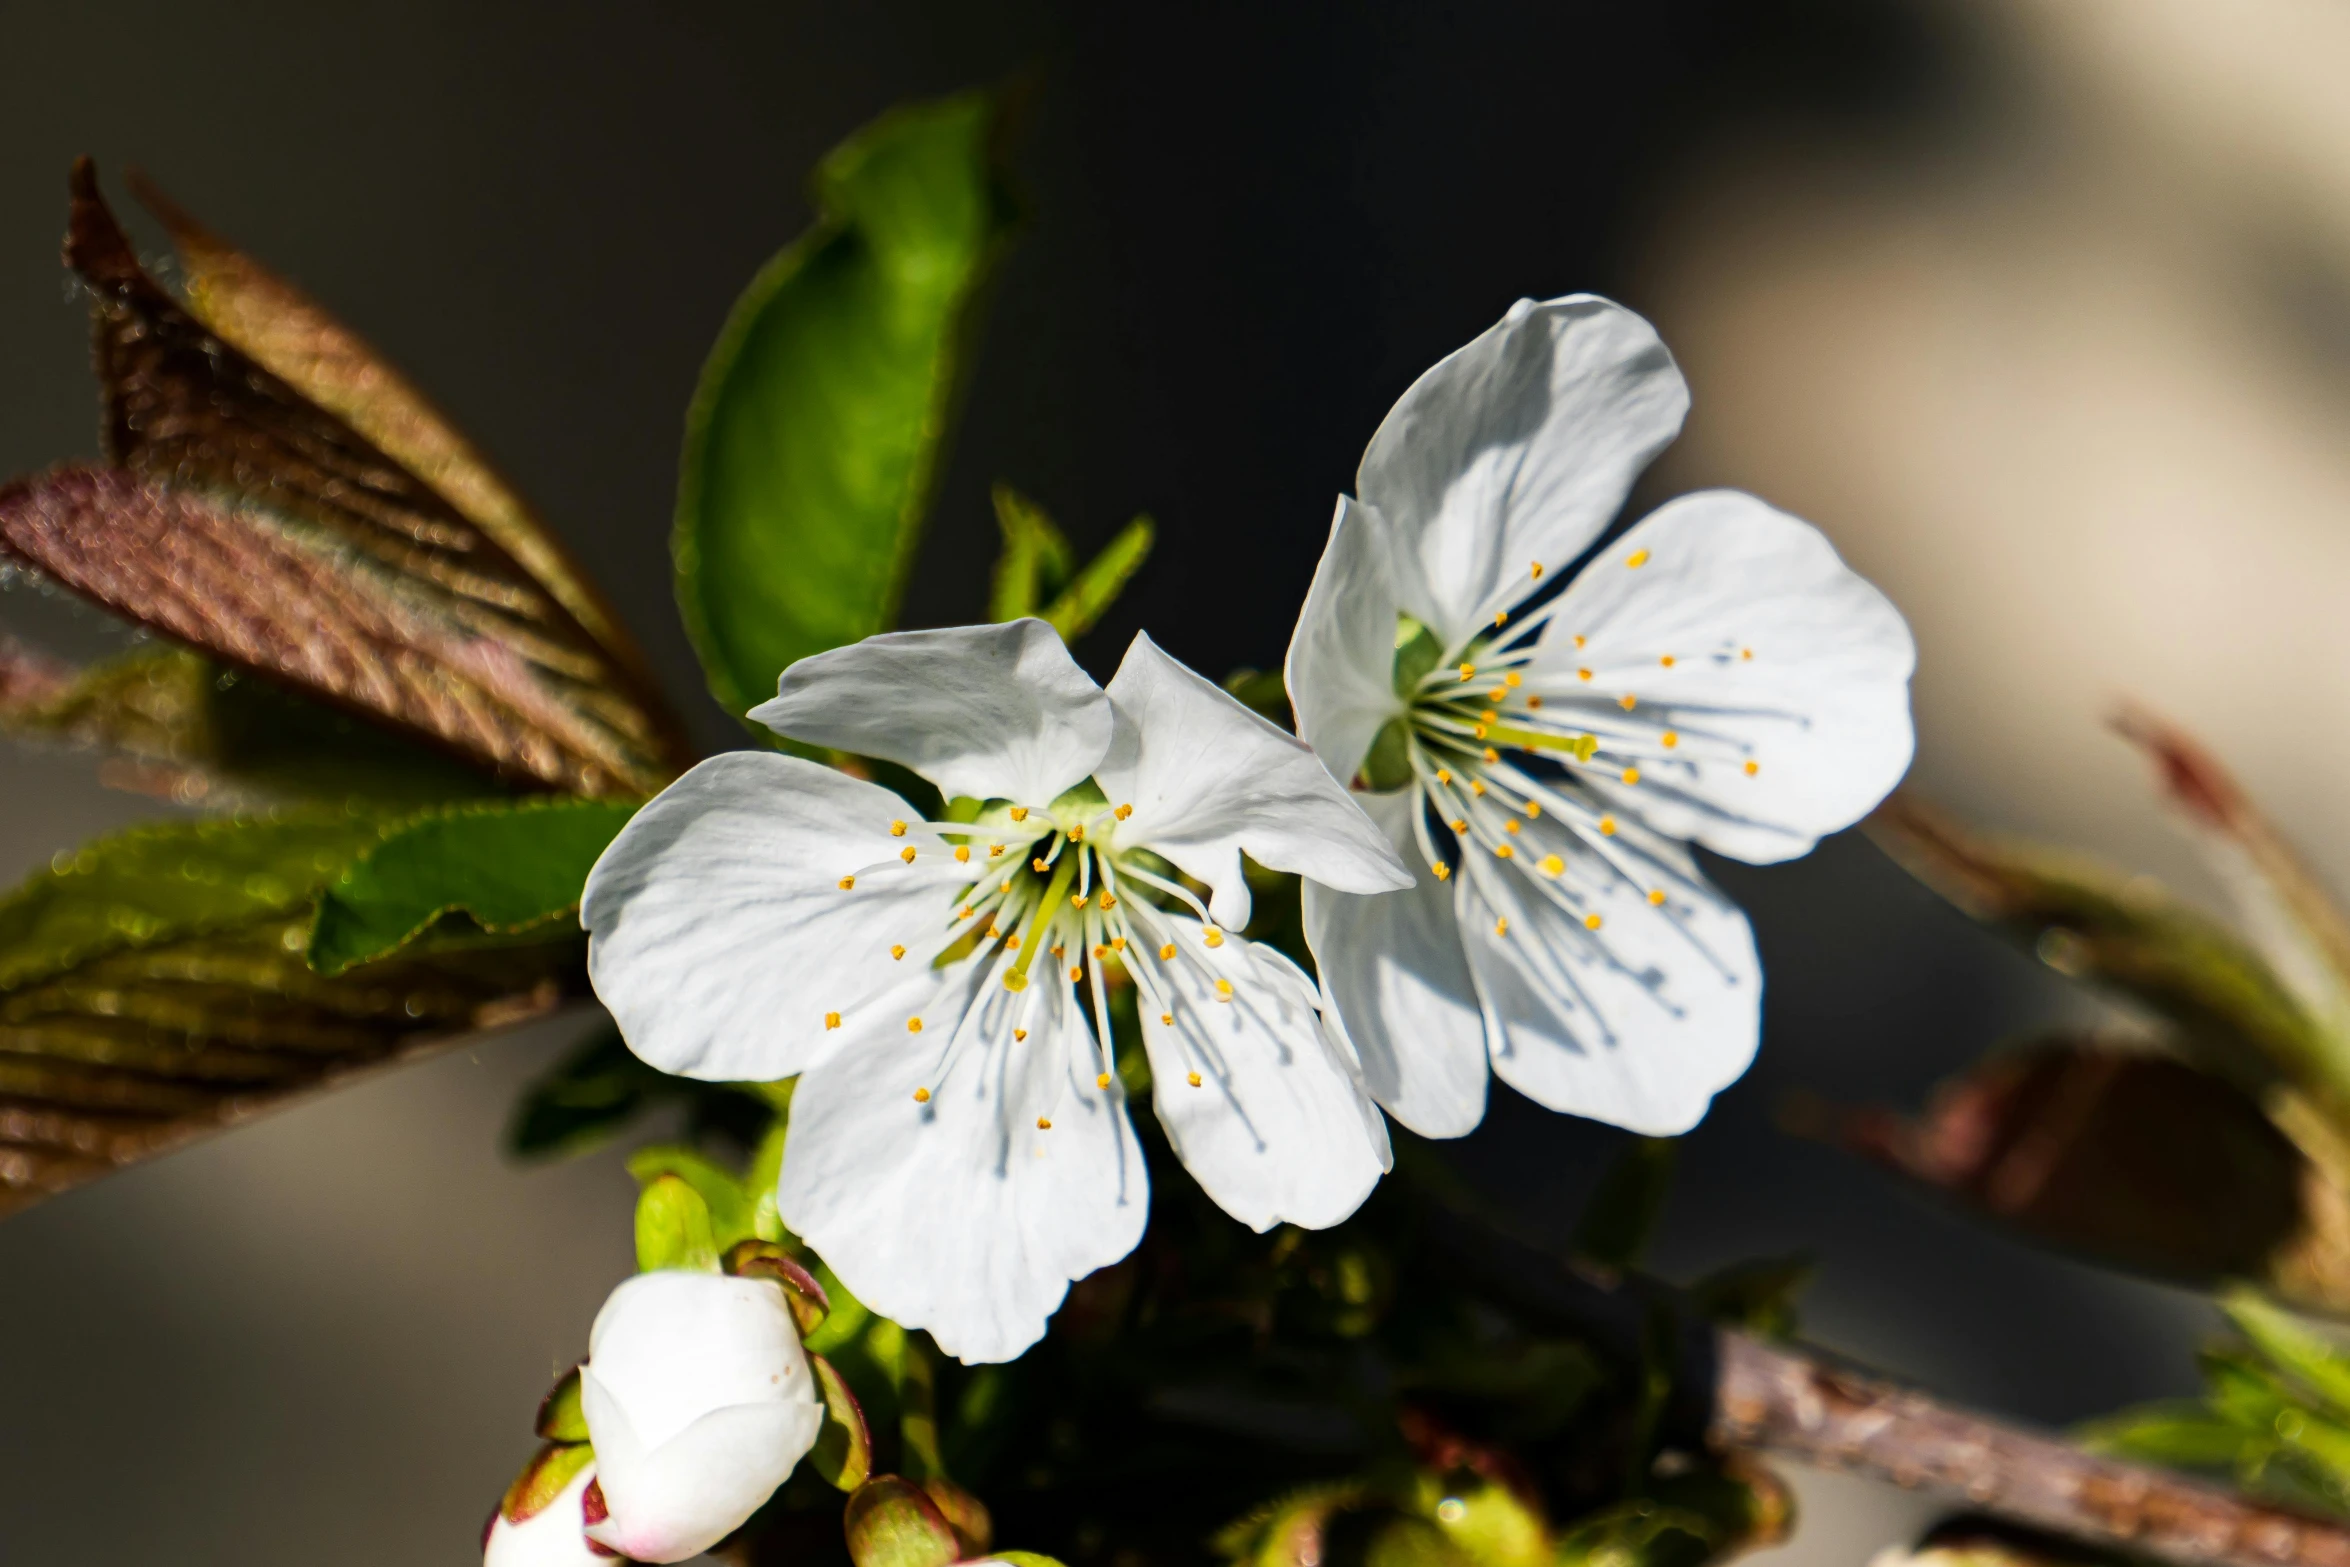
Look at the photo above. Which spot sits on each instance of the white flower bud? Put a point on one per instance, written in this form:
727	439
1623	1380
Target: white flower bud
554	1536
699	1402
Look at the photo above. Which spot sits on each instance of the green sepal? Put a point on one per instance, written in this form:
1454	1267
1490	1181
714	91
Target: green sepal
891	1522
843	1454
673	1228
561	1419
1023	1558
550	1469
762	1259
729	1209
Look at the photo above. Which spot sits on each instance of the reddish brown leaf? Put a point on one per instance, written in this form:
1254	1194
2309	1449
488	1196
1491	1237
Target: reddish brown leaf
380	552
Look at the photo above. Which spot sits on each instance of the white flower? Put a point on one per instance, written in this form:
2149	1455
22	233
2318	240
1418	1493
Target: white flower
553	1536
959	1144
1715	675
699	1401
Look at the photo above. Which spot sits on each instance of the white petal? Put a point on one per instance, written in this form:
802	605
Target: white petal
961	1215
554	1536
1279	1128
1341	666
1517	450
1209	779
672	1345
1781	655
1638	1023
675	1501
720	934
996	712
1394	973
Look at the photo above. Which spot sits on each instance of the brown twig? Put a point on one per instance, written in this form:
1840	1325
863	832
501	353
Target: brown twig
1787	1400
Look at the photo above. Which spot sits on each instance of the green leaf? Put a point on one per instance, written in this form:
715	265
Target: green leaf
2318	1363
505	867
1087	598
2178	1434
1262	691
815	437
1615	1225
673	1228
727	1211
1036	560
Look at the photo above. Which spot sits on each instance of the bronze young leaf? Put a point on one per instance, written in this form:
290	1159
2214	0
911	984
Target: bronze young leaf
240	470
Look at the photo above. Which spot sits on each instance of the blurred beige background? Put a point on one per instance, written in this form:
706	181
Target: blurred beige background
2040	307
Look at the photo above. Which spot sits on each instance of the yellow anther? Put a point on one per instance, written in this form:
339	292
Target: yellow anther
1501	617
1077	833
1019	813
1044	1123
1039	865
995	930
1752	768
1444	775
1075	973
1468	671
1627	701
846	882
1637	559
1665	659
1607	826
1505	851
1538	571
1533	809
1117	943
1592	922
1657	897
1513	680
1442	870
921	1096
832	1020
1489	717
994	850
1501	927
1746	652
1012	942
1477	787
1510	826
913	1025
1192	1078
1100	951
1460	826
1167	953
1223	990
1491	755
965	912
1631	775
897	829
1498	694
1019	1034
1212	936
1552	865
1123	811
1480	732
963	853
1167	1019
1533	701
1077	900
907	854
897	951
1055	949
1109	901
1102	1081
1668	739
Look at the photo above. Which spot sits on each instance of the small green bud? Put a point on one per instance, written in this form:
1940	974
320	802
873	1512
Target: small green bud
673	1228
560	1417
550	1469
891	1523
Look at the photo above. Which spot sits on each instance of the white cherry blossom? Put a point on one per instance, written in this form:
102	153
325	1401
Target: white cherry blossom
1544	752
960	1149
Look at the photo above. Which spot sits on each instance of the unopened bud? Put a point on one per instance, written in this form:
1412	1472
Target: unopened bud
543	1520
891	1523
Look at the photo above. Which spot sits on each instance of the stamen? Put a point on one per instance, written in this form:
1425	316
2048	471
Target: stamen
1012	944
1657	897
907	854
1533	701
1100	951
1108	901
1505	851
1460	826
1044	1123
897	829
1552	865
1468	671
1631	775
1223	990
1103	1081
1019	813
1167	1019
1513	680
994	849
995	930
1077	900
921	1096
1039	866
1480	732
1607	826
1075	973
1637	559
1167	953
1627	701
1444	775
1489	717
1117	943
1665	659
1668	739
1442	870
832	1020
1578	642
1533	808
1477	785
1501	927
1591	922
1019	1034
1212	936
1193	1077
1538	571
965	912
847	882
1510	826
963	853
1123	811
913	1025
1491	755
1752	768
1077	833
1582	674
1501	617
1746	652
897	951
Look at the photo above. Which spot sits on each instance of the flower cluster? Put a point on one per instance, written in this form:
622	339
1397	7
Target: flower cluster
1509	886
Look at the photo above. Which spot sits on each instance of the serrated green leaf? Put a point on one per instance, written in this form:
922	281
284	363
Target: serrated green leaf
815	437
1090	594
505	867
729	1208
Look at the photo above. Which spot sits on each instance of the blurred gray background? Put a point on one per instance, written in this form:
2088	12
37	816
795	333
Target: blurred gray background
2038	306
